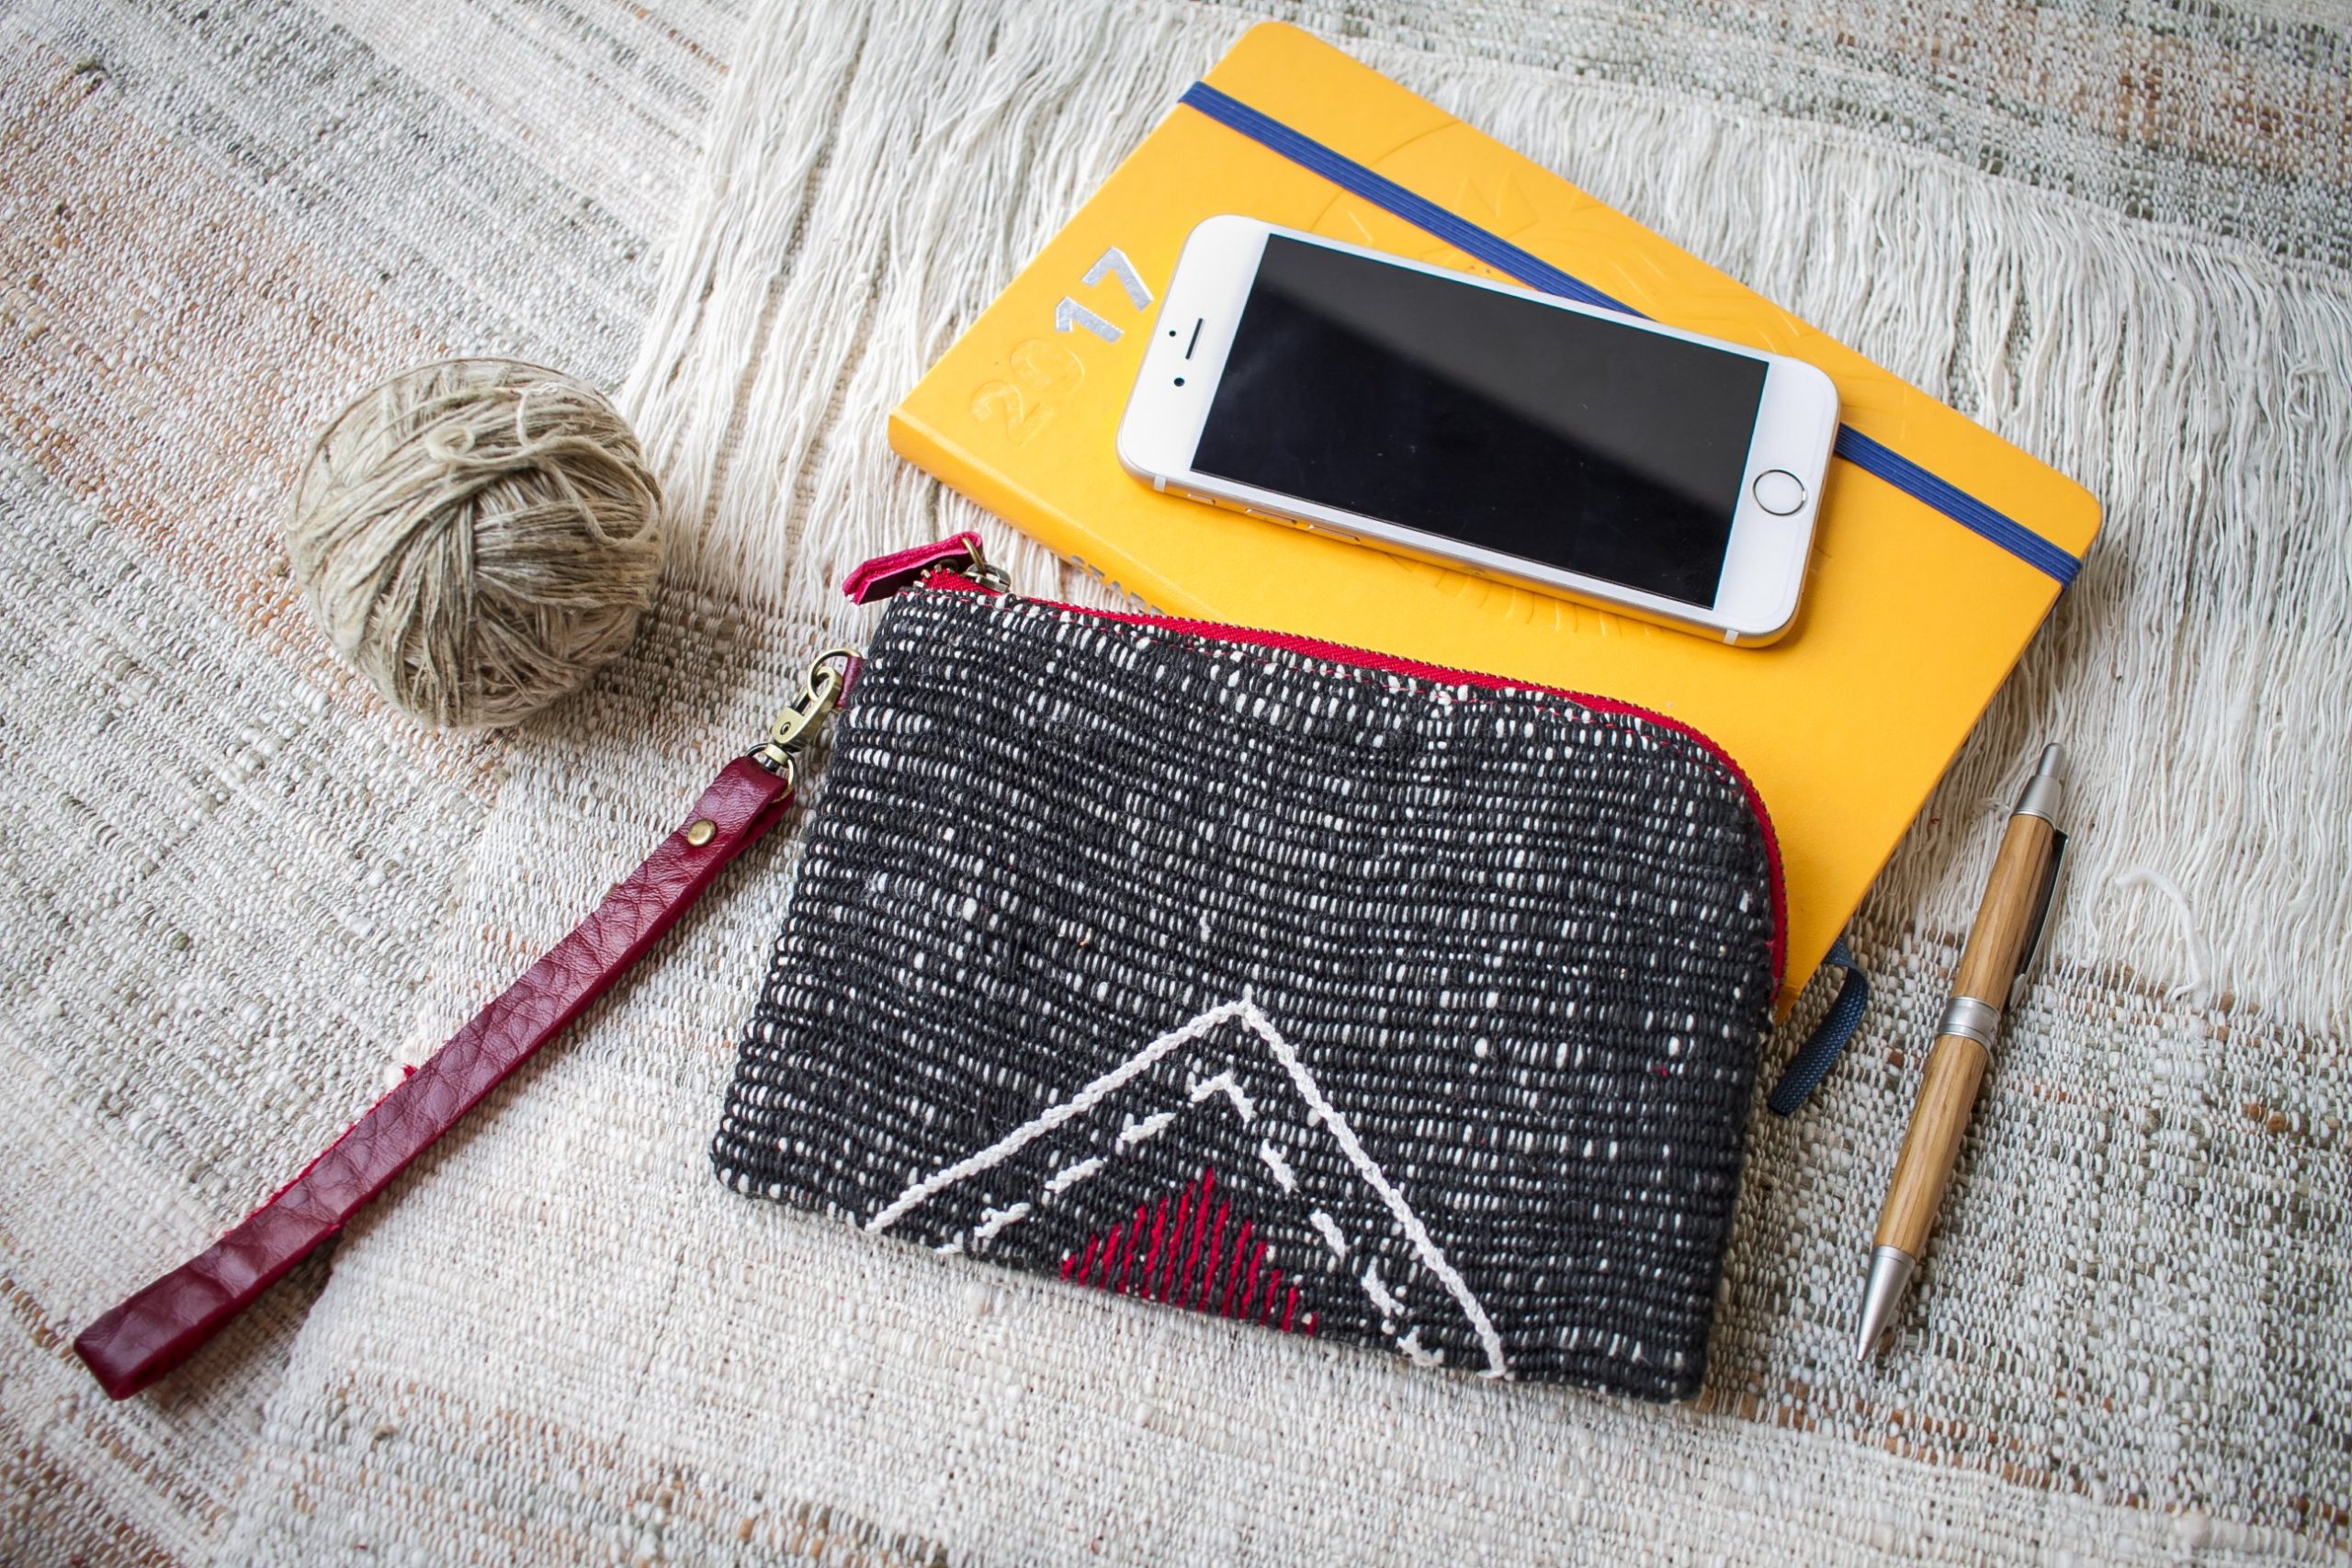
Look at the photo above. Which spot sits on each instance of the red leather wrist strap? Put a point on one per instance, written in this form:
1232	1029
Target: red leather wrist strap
165	1324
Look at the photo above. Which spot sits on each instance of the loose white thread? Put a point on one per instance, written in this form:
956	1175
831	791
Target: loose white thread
2203	969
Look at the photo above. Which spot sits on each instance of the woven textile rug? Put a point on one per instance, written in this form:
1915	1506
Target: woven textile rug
239	891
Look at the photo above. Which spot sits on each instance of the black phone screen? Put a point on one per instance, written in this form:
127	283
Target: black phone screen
1486	417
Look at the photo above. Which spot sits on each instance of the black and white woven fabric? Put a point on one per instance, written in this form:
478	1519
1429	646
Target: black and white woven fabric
1380	1007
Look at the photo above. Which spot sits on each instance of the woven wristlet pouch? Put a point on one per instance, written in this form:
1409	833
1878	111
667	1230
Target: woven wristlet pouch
1254	975
1273	981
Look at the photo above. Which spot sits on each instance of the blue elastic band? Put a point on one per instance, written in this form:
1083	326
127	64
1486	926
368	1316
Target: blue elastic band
1875	457
1869	455
1827	1043
1417	210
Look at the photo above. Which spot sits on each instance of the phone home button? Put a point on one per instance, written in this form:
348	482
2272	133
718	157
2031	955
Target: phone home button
1778	491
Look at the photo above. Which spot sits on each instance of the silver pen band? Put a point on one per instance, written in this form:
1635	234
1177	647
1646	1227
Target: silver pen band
1970	1020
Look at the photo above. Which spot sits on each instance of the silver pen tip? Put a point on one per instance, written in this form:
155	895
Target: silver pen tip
2054	761
1891	1269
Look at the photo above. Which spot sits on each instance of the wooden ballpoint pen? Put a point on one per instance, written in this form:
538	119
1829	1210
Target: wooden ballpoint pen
2000	945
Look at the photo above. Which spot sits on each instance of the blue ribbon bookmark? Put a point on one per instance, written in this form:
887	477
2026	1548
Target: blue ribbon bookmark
1870	456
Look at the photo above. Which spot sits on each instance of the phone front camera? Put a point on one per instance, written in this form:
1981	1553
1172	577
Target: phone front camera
1180	381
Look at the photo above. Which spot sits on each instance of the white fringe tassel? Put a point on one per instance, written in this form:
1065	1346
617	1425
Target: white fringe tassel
2197	986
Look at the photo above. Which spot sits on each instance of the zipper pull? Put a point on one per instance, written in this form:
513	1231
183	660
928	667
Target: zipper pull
820	693
885	575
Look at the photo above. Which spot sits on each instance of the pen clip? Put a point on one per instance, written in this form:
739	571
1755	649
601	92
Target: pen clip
2041	917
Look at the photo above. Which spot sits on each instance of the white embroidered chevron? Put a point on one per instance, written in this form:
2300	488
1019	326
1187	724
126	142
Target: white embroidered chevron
1319	1108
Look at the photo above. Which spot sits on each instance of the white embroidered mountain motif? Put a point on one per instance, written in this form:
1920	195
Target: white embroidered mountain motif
1182	1237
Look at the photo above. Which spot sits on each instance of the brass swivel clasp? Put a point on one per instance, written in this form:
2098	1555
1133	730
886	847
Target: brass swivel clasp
820	692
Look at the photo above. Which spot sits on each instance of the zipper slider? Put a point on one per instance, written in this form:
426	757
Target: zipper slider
820	693
987	573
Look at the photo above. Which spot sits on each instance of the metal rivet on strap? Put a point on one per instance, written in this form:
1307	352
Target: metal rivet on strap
702	831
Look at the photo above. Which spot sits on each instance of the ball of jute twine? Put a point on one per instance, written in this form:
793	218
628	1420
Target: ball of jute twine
477	535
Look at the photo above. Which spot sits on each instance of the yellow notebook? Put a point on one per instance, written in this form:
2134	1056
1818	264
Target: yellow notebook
1938	550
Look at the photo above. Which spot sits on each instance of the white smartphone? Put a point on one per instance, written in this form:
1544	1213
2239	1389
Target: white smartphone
1653	471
